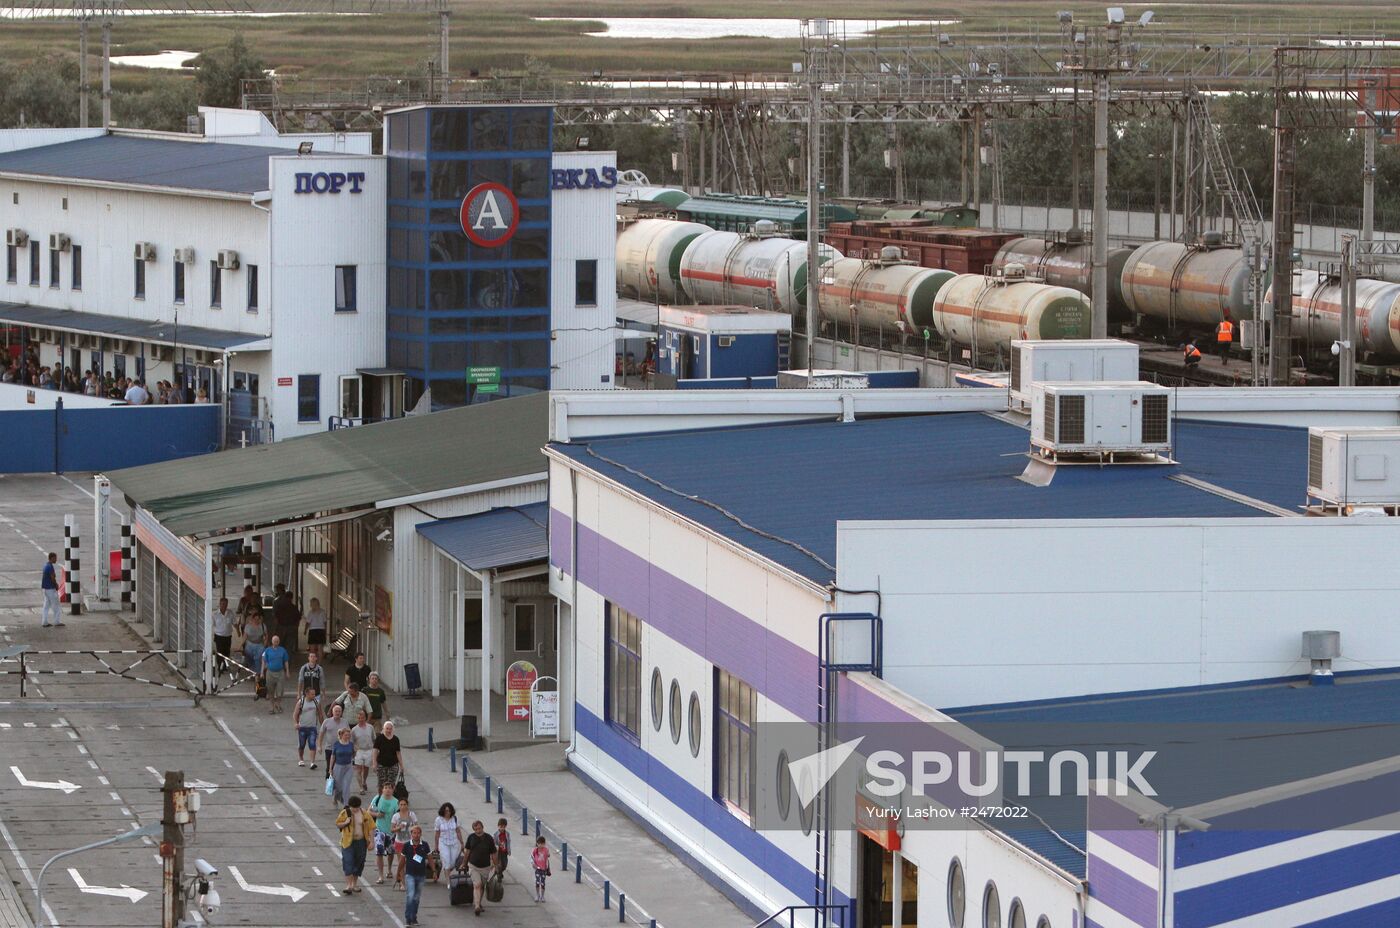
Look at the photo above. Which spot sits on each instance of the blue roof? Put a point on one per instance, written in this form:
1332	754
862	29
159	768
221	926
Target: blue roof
797	480
193	165
502	537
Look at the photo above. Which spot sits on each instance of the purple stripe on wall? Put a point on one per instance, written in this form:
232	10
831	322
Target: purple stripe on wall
1117	824
1112	887
561	540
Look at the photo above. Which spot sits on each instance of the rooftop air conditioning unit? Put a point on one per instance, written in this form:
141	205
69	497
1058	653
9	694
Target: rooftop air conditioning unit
161	352
185	255
59	242
1069	360
145	251
16	237
228	260
1354	467
1101	419
127	347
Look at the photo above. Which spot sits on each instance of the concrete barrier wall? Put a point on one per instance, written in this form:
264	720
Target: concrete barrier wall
63	439
14	396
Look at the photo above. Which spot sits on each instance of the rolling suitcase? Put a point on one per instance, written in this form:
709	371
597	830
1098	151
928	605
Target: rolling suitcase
459	888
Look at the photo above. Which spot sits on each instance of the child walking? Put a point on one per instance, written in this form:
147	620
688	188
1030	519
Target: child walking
539	857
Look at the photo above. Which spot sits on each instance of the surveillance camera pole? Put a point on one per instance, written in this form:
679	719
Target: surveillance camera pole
172	850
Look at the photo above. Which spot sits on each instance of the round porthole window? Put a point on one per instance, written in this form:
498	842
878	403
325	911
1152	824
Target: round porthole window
1016	917
658	696
1042	922
957	895
675	712
784	786
991	906
807	814
695	722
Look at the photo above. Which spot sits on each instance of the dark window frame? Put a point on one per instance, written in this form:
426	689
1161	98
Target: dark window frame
12	264
586	284
139	279
736	721
216	286
347	288
75	280
315	398
55	268
252	288
34	262
622	672
179	282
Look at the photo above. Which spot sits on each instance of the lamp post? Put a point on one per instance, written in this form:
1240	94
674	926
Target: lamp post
145	832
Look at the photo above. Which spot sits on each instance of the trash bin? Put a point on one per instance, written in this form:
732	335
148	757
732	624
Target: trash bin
469	733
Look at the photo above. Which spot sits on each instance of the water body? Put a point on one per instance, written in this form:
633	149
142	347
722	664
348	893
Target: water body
678	27
166	60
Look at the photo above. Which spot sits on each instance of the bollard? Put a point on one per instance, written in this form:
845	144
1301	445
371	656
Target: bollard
500	800
607	894
524	820
622	907
464	770
653	923
430	739
488	788
537	828
578	868
564	854
452	758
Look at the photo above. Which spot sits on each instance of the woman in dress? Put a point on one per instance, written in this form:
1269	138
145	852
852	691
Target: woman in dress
362	735
342	770
254	640
447	838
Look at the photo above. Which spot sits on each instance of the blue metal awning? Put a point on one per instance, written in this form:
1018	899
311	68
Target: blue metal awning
152	333
505	537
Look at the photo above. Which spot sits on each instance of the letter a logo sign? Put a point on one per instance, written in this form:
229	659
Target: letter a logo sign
490	215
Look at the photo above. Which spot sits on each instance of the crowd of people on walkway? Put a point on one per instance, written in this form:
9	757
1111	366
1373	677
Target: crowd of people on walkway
25	370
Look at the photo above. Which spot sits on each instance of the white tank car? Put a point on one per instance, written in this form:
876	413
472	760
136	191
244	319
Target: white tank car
999	309
751	269
1317	314
1189	286
876	295
649	258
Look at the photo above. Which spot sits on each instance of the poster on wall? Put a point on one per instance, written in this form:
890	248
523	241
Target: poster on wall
384	610
520	677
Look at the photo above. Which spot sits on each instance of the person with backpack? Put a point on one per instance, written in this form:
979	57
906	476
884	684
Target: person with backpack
307	719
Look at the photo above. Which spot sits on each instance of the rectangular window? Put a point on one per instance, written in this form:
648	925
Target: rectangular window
524	626
179	281
33	263
216	285
622	671
55	261
586	283
252	288
736	716
140	289
345	301
77	267
119	365
12	263
309	398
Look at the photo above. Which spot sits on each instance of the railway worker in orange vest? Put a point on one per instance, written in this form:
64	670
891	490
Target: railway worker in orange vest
1191	355
1224	336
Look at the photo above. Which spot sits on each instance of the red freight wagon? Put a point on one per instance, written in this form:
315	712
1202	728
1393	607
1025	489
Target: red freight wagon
960	250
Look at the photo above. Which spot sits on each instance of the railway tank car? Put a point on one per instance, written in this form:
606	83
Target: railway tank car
758	268
1187	286
1317	314
1068	262
649	258
888	293
989	312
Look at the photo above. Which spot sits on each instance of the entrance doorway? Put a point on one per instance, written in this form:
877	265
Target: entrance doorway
877	888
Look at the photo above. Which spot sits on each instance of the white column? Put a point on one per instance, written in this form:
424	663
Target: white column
488	620
897	889
457	611
436	618
101	514
209	591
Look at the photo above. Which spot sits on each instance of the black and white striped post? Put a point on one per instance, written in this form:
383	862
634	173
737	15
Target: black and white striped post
128	567
72	564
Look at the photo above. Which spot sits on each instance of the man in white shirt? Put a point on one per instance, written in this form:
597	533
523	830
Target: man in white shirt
223	631
136	394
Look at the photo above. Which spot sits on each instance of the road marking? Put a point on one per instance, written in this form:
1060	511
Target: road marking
286	889
114	728
43	784
334	891
316	870
4	724
311	826
278	824
30	725
87	493
208	788
24	867
290	839
81	749
100	778
229	764
129	893
126	812
116	797
72	736
240	779
252	795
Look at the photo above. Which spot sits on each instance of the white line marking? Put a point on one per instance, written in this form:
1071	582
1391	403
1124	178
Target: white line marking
126	812
130	894
228	764
240	779
86	493
82	750
334	892
311	826
72	736
24	868
44	784
316	870
252	795
115	796
101	779
30	725
278	824
290	839
286	889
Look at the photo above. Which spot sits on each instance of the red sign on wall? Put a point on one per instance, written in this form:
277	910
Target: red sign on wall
490	215
284	381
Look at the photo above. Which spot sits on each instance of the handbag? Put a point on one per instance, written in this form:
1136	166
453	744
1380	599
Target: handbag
400	789
494	890
330	787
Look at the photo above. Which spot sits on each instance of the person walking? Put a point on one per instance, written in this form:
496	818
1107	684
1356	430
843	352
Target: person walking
276	668
378	699
343	769
286	616
383	807
354	702
355	827
387	757
403	822
307	718
328	734
315	629
481	860
362	735
1224	338
447	838
312	674
415	858
223	636
358	673
48	582
502	837
254	640
539	859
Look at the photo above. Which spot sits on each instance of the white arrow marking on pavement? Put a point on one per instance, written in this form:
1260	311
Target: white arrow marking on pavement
129	893
290	892
56	784
208	788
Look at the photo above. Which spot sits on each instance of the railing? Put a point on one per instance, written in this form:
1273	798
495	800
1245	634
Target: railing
837	913
348	422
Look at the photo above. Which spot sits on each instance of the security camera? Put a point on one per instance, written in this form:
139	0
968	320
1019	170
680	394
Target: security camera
1336	348
210	903
205	868
384	535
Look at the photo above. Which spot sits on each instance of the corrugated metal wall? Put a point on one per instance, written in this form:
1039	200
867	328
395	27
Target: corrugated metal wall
192	617
146	586
167	606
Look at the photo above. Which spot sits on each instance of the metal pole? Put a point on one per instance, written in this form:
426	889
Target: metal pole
1073	163
814	168
101	516
444	29
1368	174
1284	216
83	74
1175	155
1189	232
210	670
1099	298
846	154
145	832
977	161
172	852
897	891
107	74
1157	197
1346	371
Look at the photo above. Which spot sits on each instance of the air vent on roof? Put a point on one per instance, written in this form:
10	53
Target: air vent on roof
1069	360
1102	421
1355	471
1015	371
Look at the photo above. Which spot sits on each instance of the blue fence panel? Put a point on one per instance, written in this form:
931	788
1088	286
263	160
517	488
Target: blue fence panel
59	440
27	441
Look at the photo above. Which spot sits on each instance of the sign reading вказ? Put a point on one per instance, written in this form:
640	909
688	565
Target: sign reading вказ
583	178
328	181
